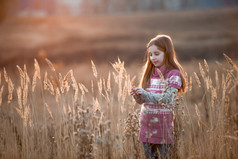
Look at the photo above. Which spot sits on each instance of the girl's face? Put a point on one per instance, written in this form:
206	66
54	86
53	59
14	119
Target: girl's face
156	56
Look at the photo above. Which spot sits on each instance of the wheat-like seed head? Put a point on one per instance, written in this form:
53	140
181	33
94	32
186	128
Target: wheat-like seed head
76	93
123	70
190	83
81	88
84	88
197	79
25	95
207	83
20	71
107	96
212	102
67	75
48	86
57	94
30	122
217	80
51	83
198	114
210	81
92	88
67	86
233	78
109	82
186	77
55	82
1	91
75	87
118	66
228	77
94	69
19	96
26	76
60	78
160	74
232	64
5	74
65	82
206	65
10	90
37	68
201	70
223	83
214	93
50	64
34	81
229	81
100	86
104	84
75	84
45	81
115	77
186	81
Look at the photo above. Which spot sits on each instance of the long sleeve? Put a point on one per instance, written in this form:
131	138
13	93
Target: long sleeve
157	98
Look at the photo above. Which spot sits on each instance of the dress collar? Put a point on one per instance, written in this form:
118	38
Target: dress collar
155	72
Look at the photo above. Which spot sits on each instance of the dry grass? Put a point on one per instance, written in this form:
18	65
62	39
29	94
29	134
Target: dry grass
59	117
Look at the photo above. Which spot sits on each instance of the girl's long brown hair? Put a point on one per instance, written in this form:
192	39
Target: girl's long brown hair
165	44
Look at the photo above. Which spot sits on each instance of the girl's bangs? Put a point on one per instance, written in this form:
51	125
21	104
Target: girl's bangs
157	45
160	48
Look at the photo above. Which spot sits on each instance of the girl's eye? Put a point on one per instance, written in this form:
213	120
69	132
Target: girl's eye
156	54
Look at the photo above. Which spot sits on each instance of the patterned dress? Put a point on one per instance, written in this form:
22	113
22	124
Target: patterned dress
156	118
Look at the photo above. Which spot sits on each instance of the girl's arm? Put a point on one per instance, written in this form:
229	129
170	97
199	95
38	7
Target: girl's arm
174	82
157	98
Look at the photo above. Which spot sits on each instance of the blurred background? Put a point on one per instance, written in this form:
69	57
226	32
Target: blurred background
72	32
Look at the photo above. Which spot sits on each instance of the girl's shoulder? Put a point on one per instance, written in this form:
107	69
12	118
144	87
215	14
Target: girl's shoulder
174	78
172	72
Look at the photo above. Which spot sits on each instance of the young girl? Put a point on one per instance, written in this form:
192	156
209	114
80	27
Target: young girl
162	80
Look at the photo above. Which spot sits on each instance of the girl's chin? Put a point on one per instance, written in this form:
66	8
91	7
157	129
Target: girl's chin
156	65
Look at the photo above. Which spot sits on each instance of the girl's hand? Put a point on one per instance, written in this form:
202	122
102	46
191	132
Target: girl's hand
139	90
133	91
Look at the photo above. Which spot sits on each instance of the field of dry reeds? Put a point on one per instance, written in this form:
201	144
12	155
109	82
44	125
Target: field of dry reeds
53	115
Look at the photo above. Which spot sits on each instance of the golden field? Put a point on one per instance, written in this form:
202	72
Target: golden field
52	115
